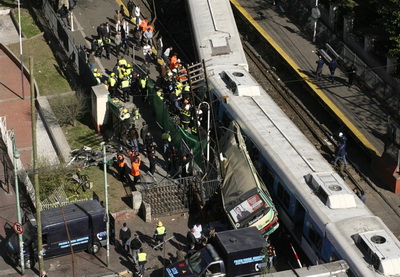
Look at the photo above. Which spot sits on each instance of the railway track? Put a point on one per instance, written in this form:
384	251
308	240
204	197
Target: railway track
320	135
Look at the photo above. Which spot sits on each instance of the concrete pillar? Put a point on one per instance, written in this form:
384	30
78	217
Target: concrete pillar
347	26
391	65
368	44
146	212
332	15
99	105
136	200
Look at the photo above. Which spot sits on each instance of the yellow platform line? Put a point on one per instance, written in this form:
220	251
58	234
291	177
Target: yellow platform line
318	91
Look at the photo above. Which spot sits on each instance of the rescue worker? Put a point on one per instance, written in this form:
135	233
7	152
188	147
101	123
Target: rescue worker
142	259
100	46
166	139
98	78
125	87
143	24
185	116
135	169
125	118
107	47
95	70
122	168
143	87
159	235
112	82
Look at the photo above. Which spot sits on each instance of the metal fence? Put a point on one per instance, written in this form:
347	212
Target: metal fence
76	56
22	175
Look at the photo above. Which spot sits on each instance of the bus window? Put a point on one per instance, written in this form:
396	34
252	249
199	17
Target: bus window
283	196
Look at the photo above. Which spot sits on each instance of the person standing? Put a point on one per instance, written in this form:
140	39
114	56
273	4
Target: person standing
171	158
133	137
136	244
191	239
351	73
151	155
64	14
271	255
118	43
341	150
159	235
159	46
142	260
198	230
136	161
148	140
130	6
100	31
124	236
320	65
332	67
166	139
137	15
166	55
148	37
143	133
122	168
107	47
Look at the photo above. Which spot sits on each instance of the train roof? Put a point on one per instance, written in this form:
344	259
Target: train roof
370	236
216	36
291	154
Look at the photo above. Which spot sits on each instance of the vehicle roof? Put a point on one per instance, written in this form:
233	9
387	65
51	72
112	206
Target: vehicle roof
241	239
240	182
216	36
71	212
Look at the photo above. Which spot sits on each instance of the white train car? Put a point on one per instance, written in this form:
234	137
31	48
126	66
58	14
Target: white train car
314	203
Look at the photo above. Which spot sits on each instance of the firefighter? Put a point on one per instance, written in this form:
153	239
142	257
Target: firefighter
159	235
125	87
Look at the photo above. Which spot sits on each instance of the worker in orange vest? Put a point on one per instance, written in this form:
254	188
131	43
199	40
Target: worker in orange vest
143	24
135	168
123	168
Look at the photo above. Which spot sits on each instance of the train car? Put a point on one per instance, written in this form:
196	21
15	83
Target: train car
245	198
314	203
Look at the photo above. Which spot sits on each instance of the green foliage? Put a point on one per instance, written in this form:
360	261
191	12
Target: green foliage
390	18
50	177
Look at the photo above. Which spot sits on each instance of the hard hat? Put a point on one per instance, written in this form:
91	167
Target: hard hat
125	110
98	75
95	70
112	74
170	73
174	70
159	224
128	65
340	134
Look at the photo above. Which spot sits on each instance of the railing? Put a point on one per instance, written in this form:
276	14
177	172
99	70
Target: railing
22	175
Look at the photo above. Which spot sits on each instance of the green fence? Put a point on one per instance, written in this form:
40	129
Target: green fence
177	133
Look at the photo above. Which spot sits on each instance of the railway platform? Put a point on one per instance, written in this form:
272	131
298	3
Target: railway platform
363	116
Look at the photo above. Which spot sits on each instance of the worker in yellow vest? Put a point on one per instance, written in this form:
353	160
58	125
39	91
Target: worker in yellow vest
142	260
159	235
112	82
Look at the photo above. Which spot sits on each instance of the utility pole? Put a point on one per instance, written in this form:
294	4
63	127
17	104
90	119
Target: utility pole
20	49
35	170
16	156
106	199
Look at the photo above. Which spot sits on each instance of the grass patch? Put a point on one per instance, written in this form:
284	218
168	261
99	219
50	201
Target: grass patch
82	135
28	25
45	67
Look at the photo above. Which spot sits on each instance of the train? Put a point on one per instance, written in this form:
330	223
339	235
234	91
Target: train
314	203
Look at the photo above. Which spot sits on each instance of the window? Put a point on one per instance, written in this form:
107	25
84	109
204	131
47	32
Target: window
213	269
44	238
283	195
314	237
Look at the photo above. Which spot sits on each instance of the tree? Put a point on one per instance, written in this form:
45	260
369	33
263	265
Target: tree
390	16
67	109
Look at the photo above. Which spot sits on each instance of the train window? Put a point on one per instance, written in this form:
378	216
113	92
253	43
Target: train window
267	176
283	195
314	237
300	209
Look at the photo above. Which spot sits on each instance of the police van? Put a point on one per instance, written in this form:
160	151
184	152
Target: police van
80	225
